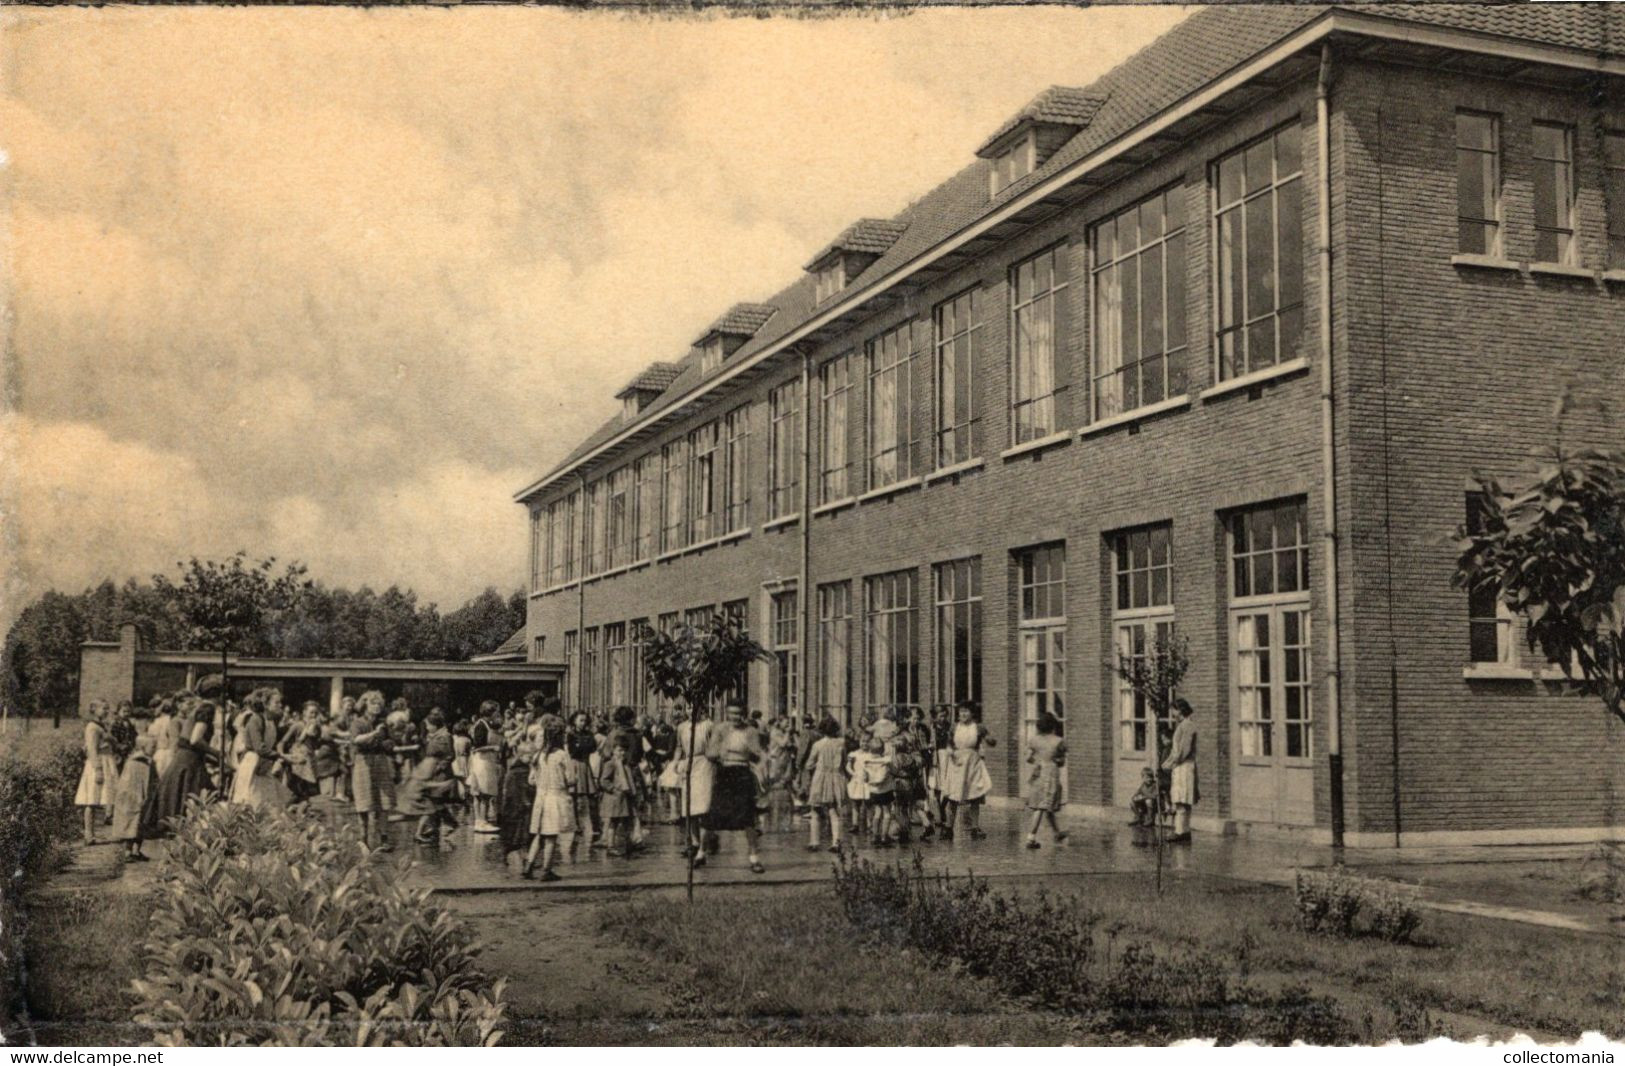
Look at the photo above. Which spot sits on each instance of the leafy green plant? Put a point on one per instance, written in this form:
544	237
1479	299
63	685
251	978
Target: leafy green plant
274	928
36	824
1552	547
1044	949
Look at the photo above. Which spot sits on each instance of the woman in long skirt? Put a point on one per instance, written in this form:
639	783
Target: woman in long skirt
695	776
553	814
968	780
99	779
1046	760
735	749
518	798
165	733
187	774
257	783
135	806
372	774
485	765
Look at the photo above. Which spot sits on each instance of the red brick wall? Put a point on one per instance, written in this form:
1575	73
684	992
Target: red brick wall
1451	370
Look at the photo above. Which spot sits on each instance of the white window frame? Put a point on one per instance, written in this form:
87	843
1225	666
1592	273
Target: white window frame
1567	239
891	644
734	507
1041	643
1257	742
1135	626
1495	247
1108	261
890	443
1027	384
835	651
1018	160
956	331
834	411
783	640
711	353
1283	313
829	280
784	444
957	597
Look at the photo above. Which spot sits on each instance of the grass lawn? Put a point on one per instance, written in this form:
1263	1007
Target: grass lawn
785	966
83	950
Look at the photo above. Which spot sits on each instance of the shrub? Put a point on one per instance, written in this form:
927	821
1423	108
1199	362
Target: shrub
274	928
1045	950
1327	901
1330	901
37	782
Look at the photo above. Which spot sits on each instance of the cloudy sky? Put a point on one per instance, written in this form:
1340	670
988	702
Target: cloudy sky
332	284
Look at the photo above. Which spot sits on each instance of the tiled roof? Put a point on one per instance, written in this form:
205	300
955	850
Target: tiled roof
1059	104
741	320
866	236
656	377
513	647
1182	61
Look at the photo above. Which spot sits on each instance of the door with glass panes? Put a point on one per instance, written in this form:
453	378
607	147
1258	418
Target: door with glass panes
1041	643
1271	688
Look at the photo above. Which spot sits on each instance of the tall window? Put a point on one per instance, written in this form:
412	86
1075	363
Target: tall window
1489	621
1142	611
572	666
1478	183
784	450
620	518
667	624
566	536
593	697
1041	582
1269	619
674	473
889	407
959	630
1613	174
538	542
1037	334
704	484
891	641
538	649
783	630
637	679
617	680
1259	223
735	504
958	338
1554	193
738	612
835	651
834	383
646	494
597	509
1140	342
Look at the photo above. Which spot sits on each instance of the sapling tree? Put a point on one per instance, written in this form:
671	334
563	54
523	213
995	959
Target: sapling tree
698	665
1153	673
225	607
1552	547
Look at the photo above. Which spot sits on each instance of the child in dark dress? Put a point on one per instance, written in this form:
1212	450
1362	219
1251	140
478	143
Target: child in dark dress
431	790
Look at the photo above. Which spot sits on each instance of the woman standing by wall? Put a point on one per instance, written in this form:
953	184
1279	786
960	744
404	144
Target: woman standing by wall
695	773
1181	762
968	780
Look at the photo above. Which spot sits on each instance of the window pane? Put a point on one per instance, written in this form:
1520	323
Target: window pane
1230	178
1175	328
1288	152
1475	131
1290	214
1260	172
1260	258
1232	265
1151	341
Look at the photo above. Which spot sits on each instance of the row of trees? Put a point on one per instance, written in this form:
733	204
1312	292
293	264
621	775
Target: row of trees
310	620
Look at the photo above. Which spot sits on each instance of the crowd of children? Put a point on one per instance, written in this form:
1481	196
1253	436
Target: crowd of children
554	788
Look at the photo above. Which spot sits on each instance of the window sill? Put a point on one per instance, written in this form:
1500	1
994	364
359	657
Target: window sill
834	505
780	523
890	490
950	471
559	588
1615	276
1562	270
1496	672
726	538
1484	262
1037	444
1257	377
1129	417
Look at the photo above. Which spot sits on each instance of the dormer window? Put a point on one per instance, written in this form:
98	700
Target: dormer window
1015	162
831	280
711	355
630	406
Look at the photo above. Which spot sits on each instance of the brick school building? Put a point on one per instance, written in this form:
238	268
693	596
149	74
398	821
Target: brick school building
1207	347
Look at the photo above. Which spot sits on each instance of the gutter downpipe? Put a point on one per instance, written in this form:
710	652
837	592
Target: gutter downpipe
803	588
581	595
1328	454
